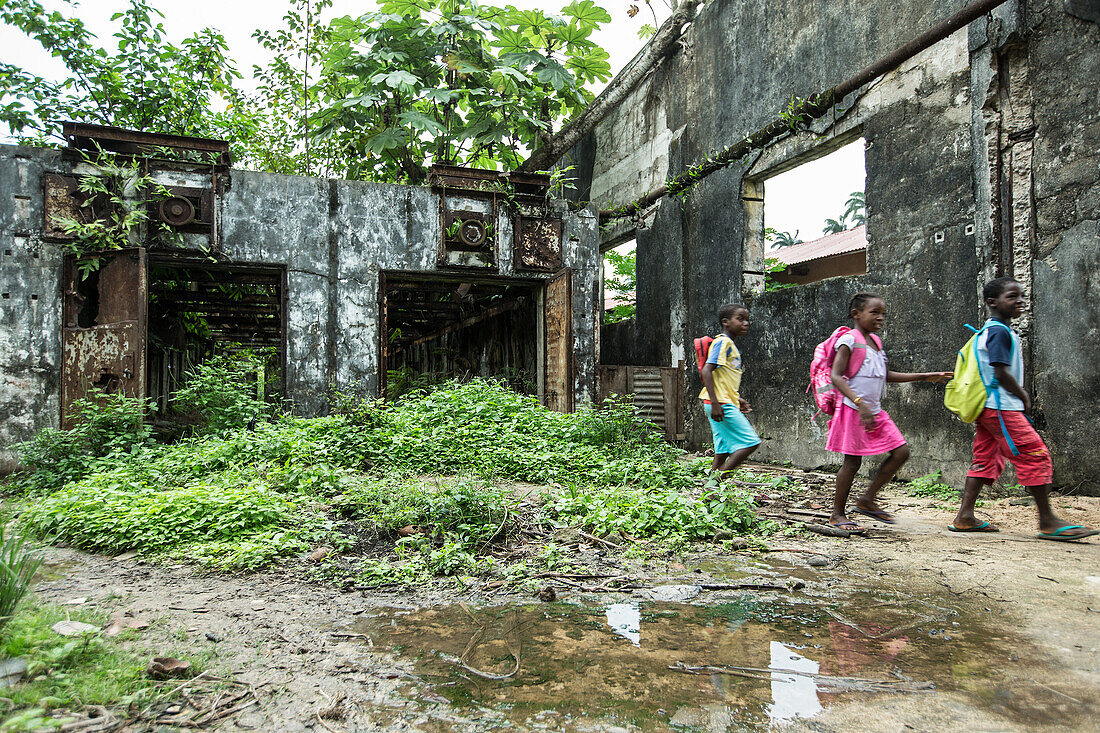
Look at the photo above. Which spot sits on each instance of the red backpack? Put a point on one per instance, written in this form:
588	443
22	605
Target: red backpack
821	368
702	350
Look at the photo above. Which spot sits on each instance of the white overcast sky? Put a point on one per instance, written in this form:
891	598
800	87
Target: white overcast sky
817	191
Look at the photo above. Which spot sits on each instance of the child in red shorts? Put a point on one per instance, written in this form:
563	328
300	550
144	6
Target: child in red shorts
1000	358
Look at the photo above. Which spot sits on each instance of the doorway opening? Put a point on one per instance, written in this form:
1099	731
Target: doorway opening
199	309
435	329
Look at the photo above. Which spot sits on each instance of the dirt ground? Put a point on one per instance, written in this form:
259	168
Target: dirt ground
1025	629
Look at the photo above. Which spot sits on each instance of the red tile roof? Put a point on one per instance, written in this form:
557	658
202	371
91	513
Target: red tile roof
851	240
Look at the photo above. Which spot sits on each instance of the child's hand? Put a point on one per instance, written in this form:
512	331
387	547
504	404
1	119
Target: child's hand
866	417
745	406
716	413
938	377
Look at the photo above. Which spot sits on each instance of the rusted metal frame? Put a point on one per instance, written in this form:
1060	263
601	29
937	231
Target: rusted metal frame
80	135
816	106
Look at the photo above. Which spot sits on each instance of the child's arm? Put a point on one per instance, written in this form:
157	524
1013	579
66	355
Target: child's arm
708	382
918	376
840	365
1006	380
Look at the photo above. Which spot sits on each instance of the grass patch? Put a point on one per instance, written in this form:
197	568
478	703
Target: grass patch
67	673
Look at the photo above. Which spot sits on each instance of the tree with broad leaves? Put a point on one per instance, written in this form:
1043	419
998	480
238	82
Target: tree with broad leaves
140	81
454	82
835	226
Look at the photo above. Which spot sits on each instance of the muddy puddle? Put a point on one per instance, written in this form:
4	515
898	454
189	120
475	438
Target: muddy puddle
627	663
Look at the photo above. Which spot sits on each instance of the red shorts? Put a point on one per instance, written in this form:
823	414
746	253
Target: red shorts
1033	465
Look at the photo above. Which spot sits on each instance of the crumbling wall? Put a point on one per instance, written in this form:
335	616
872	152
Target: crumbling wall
30	303
934	217
334	237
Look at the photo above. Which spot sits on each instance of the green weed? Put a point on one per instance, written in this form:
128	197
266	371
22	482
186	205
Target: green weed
659	513
931	486
17	566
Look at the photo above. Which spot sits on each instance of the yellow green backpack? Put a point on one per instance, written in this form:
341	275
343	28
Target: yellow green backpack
966	393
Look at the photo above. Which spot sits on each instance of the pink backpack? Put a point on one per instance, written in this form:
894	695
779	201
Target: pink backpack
821	368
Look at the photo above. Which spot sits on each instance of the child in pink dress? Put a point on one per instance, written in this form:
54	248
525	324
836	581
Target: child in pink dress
860	427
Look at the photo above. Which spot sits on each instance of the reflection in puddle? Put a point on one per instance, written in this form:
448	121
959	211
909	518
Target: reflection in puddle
575	666
625	619
793	696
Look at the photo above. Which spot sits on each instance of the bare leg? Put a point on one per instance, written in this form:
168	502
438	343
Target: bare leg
736	458
885	473
719	459
971	489
844	478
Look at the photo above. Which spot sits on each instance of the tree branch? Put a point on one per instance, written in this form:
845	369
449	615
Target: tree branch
615	92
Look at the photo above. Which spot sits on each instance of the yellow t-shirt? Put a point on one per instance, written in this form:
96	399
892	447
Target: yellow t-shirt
727	373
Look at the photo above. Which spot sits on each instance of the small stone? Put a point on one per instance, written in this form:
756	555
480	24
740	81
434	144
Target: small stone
818	561
126	556
73	628
320	554
213	636
547	594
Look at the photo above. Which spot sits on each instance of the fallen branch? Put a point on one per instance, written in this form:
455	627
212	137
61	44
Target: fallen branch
826	683
594	538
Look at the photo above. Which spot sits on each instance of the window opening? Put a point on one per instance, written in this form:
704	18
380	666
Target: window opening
810	221
620	282
197	311
443	329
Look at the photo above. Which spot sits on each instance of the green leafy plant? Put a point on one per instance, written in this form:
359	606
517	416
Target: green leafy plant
223	391
931	486
772	266
105	427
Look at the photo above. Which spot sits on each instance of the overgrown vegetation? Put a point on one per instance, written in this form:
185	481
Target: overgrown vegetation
237	497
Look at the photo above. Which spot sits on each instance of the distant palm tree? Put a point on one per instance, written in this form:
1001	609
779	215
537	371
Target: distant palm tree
785	239
856	209
832	226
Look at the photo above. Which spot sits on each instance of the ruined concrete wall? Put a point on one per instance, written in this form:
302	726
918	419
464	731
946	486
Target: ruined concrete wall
933	222
1063	73
30	303
334	237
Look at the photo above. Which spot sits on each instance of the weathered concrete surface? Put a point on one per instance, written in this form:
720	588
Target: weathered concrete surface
30	303
334	237
982	159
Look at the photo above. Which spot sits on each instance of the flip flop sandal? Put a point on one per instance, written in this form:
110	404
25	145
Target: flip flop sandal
848	526
878	514
983	527
1057	535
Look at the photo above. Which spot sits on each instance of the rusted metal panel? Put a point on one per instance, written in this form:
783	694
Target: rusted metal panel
108	353
537	244
558	314
61	202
